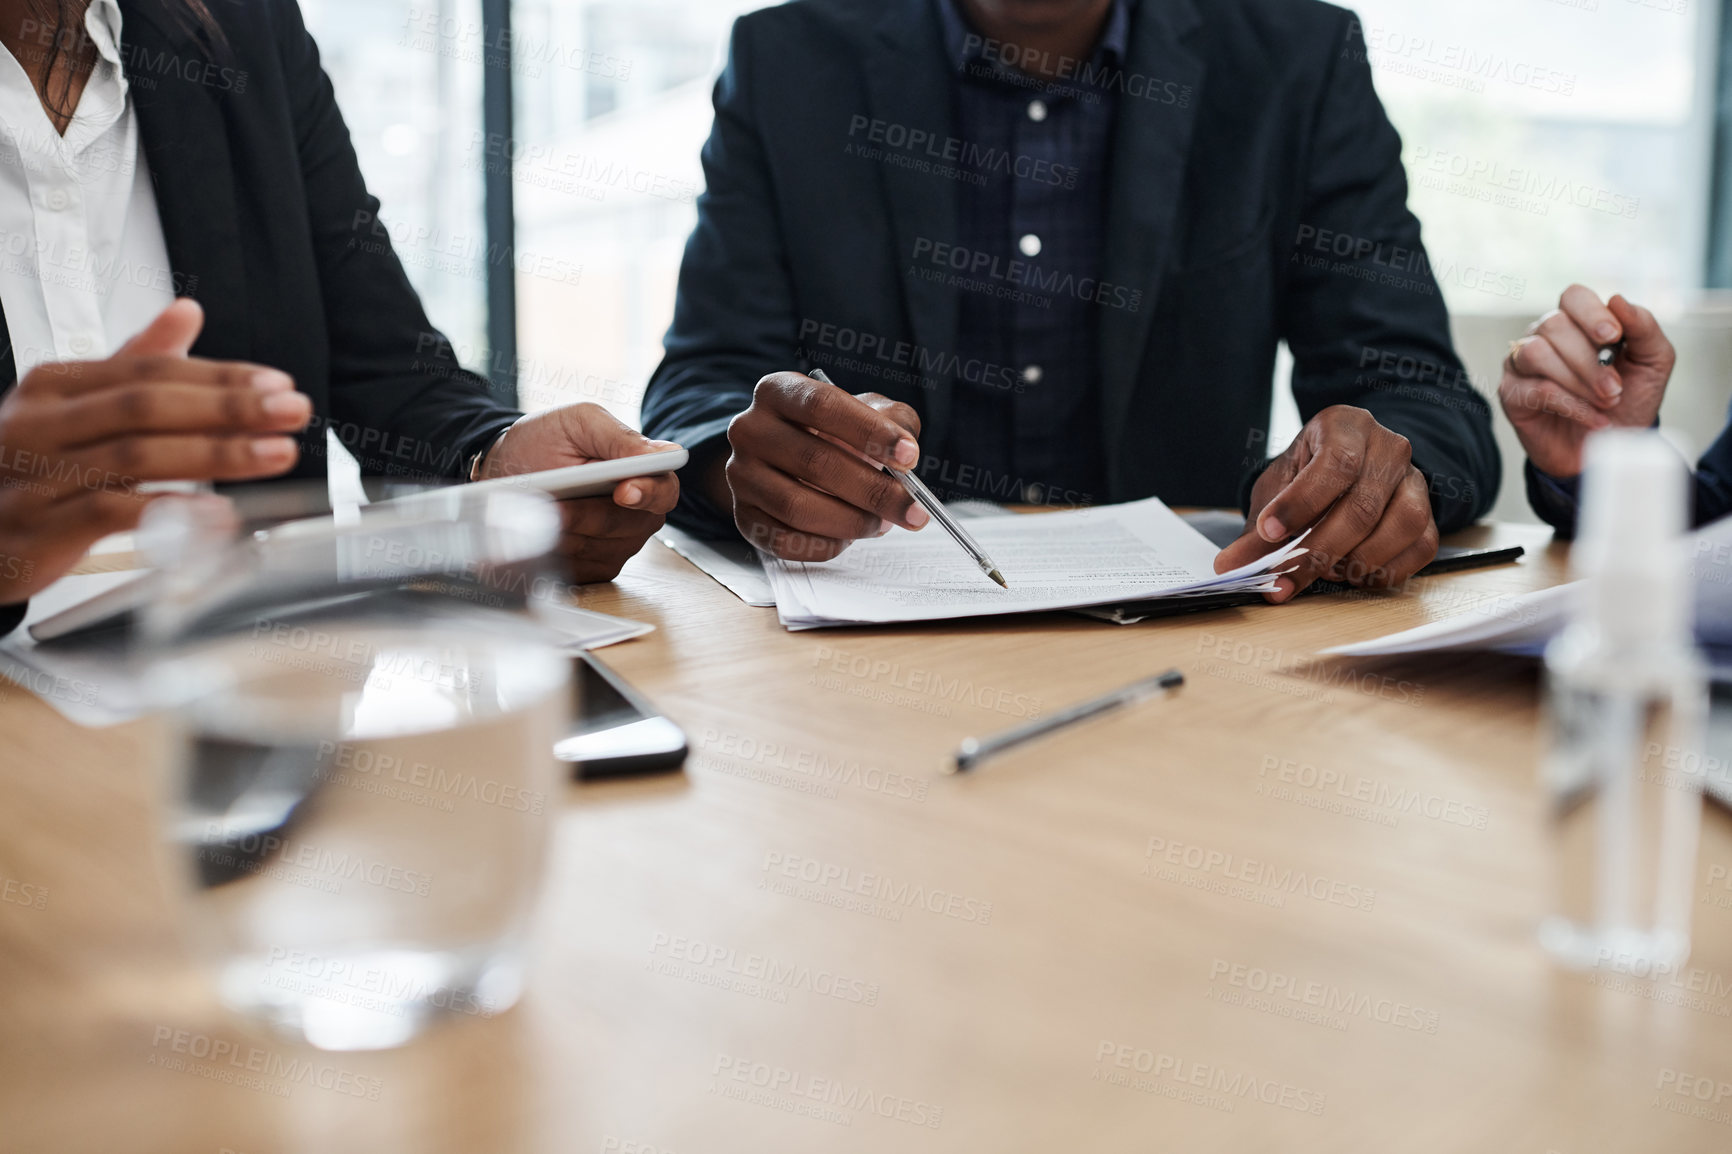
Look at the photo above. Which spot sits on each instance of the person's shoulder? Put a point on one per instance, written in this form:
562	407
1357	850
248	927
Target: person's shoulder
817	19
1294	42
1306	19
239	37
246	26
234	16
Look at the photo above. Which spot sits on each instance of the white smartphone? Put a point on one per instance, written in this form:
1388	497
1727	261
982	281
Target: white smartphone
596	479
113	607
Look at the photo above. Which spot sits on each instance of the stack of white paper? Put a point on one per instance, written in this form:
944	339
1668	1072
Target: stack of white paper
1509	624
1524	624
1099	556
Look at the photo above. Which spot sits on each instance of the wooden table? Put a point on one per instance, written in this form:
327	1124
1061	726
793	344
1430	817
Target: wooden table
1161	932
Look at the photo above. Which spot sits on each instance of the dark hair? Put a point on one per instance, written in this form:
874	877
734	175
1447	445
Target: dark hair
58	16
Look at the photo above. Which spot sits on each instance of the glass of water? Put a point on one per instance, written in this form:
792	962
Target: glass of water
359	813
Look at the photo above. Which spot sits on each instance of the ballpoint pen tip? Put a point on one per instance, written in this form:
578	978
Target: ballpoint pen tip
998	577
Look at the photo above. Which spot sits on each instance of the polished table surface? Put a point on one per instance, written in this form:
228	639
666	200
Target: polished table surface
1291	908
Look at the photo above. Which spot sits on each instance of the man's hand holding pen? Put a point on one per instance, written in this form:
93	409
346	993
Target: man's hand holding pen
802	476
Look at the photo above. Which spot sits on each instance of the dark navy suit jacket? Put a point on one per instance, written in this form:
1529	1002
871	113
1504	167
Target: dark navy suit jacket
1256	195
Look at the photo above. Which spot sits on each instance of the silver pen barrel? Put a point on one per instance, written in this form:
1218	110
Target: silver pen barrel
929	501
976	750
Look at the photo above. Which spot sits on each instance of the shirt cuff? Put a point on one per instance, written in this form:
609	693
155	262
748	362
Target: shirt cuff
484	441
1557	500
1563	488
696	513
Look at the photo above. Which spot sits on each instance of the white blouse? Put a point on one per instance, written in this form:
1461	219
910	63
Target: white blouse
83	263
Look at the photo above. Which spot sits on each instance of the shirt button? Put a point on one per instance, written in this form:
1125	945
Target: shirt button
1033	494
58	201
1037	110
1033	374
1030	245
81	345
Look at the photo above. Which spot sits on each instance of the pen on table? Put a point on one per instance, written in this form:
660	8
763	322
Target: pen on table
975	750
930	502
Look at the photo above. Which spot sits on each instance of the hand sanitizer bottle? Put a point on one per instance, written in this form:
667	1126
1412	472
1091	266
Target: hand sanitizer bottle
1627	698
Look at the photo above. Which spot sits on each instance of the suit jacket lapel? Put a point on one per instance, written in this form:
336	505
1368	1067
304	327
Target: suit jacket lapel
8	359
1151	145
909	84
186	144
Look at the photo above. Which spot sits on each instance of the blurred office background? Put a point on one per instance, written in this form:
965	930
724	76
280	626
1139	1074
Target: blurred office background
1547	141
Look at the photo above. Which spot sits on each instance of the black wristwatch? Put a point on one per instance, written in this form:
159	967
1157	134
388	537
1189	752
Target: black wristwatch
475	461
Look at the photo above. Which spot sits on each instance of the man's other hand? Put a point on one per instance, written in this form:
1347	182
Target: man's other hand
1352	483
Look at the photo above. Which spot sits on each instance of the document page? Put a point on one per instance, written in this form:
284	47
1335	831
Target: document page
1052	561
1520	624
734	565
1524	624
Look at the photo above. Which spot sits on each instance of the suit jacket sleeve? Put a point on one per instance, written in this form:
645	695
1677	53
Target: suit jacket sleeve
1713	488
399	400
1363	313
1556	499
734	320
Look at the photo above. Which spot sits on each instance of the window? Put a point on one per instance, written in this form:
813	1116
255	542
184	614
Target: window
1551	141
613	107
408	78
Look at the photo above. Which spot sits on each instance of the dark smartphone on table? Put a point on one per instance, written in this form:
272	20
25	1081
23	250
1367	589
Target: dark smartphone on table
616	732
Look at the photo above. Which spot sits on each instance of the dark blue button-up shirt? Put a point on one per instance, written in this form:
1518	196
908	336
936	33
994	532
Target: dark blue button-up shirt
1030	241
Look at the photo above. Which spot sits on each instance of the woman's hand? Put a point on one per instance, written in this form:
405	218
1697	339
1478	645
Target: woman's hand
77	439
1555	391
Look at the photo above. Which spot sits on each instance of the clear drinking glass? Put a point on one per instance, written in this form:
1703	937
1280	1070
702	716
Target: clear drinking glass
359	813
1628	700
1624	775
363	712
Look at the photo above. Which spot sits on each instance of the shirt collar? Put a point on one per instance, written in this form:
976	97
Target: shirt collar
104	99
102	104
963	45
102	20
